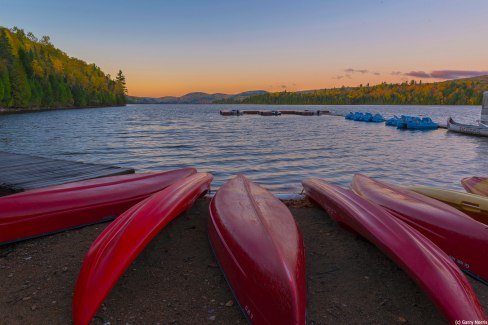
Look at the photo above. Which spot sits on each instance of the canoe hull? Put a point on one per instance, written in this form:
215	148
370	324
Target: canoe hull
421	259
475	206
57	208
476	185
466	128
465	240
122	241
260	250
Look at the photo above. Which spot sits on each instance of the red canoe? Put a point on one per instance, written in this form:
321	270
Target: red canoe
56	208
476	185
122	241
260	250
464	239
421	259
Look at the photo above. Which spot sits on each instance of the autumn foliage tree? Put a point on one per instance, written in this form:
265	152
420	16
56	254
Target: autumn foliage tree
451	92
33	73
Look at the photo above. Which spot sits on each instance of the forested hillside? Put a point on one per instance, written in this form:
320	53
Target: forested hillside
452	92
35	74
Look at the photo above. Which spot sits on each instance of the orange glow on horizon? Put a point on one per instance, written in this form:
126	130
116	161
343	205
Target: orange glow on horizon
162	88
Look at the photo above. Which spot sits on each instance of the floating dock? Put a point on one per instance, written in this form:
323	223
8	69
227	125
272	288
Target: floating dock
20	172
238	112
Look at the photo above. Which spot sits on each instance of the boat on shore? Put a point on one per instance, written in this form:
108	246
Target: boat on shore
57	208
260	250
476	185
475	206
124	239
419	257
481	129
465	240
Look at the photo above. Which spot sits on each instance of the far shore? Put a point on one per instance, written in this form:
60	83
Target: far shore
4	110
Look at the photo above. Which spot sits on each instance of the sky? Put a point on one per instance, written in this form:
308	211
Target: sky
173	47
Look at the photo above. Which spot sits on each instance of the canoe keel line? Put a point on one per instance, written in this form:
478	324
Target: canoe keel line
457	234
421	259
260	250
122	241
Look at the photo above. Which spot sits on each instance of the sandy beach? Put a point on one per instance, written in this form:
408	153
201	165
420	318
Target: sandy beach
176	280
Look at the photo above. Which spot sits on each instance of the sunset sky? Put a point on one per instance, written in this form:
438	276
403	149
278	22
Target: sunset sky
175	47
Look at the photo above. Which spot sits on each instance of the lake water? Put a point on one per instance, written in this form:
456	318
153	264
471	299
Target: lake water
277	152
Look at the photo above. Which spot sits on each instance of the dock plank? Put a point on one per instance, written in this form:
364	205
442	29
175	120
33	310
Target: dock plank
19	172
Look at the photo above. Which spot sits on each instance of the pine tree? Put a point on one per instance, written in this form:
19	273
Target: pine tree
120	79
120	89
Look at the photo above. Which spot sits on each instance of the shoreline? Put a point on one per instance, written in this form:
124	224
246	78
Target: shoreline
247	104
176	279
5	111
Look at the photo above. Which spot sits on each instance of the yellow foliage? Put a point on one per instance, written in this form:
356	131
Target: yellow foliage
57	65
37	69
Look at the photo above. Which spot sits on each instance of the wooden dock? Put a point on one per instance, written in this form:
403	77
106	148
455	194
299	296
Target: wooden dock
237	112
20	173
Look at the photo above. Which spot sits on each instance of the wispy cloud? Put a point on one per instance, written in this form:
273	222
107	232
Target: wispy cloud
376	73
418	74
396	73
338	77
351	70
455	74
445	74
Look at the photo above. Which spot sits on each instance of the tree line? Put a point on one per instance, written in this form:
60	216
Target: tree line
454	92
35	74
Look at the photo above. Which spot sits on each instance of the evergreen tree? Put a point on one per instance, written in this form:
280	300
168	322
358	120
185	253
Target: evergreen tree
33	73
120	89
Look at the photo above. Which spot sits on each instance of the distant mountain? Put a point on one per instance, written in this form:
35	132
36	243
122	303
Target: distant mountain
193	98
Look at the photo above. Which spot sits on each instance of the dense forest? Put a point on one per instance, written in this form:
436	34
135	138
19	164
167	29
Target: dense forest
35	74
453	92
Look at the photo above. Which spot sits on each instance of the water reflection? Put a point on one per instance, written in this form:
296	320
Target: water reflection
277	152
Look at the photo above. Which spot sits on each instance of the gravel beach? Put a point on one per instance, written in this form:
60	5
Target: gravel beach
176	280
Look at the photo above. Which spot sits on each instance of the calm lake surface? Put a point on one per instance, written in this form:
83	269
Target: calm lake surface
277	152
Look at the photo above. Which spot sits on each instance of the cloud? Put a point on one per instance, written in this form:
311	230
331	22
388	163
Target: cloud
376	73
456	74
338	77
444	74
350	70
348	76
283	86
418	74
396	73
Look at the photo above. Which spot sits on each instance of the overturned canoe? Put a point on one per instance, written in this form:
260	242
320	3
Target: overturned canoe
57	208
260	250
122	241
421	259
475	206
464	239
476	185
